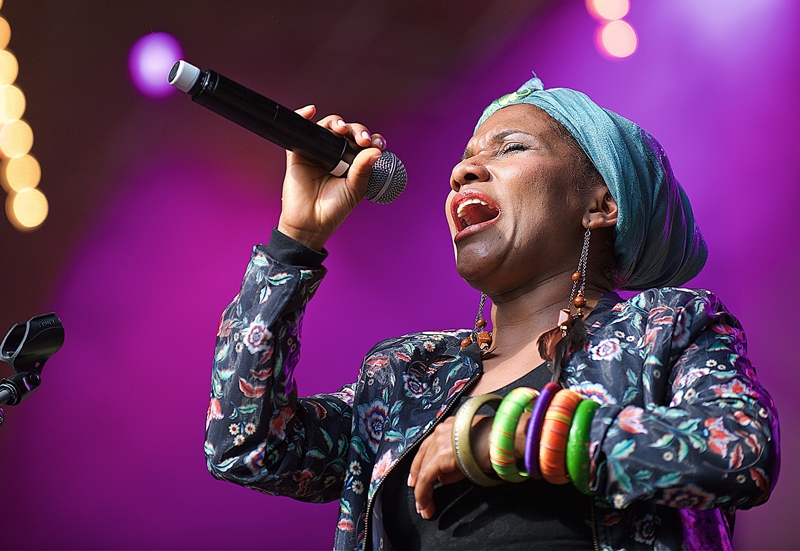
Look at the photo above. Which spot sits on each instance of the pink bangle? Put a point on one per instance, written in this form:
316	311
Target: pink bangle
535	429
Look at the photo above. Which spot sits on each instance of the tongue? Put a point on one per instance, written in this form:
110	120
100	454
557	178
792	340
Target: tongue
477	213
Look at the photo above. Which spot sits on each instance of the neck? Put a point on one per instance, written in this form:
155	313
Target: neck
520	317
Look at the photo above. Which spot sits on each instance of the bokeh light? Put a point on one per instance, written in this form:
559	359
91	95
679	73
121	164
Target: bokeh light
149	61
20	173
27	209
610	10
12	104
616	39
16	139
5	32
9	67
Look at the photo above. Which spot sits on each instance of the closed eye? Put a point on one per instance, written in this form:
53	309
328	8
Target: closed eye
511	147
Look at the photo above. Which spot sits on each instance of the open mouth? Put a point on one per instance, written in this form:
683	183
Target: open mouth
473	211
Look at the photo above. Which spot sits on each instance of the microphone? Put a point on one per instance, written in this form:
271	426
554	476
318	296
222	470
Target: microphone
284	127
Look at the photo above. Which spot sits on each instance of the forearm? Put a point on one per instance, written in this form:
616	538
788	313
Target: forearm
258	433
712	442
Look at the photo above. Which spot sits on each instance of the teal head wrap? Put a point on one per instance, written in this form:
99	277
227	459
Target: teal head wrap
657	242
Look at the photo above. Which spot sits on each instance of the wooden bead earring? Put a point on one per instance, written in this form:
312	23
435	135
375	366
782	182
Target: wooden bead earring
479	333
577	299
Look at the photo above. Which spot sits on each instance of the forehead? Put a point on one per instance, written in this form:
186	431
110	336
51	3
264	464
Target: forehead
516	118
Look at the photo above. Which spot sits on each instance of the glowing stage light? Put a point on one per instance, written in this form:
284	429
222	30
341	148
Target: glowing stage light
9	67
20	173
616	39
16	139
610	10
26	206
12	104
27	209
149	61
5	32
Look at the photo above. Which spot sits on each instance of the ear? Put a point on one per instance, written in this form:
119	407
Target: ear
601	209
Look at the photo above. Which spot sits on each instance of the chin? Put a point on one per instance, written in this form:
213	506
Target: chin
476	270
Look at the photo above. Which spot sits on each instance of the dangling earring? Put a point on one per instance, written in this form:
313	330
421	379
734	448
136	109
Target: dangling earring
576	297
570	334
479	334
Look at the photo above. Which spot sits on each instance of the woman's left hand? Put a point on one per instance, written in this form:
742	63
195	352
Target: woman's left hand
436	460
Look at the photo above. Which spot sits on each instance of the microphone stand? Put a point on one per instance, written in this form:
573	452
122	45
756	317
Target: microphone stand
26	348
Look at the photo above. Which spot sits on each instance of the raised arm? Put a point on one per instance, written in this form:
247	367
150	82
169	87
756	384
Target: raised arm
258	432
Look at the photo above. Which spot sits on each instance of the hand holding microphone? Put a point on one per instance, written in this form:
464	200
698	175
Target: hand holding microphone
330	168
286	128
314	202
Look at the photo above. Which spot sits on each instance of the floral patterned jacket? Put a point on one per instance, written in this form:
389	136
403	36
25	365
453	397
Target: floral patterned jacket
685	434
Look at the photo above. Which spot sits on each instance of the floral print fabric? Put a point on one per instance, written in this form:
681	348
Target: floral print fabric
684	431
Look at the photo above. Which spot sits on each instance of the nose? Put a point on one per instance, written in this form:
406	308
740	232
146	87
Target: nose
466	172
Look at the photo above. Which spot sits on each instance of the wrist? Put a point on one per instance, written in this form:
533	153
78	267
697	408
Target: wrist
311	239
481	429
521	435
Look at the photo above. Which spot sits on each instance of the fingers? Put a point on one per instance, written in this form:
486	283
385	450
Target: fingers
434	461
307	112
361	169
315	202
359	133
424	481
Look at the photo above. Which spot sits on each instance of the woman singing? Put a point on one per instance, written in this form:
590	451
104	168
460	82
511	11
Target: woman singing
582	421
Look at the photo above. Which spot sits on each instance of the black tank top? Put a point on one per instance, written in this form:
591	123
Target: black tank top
529	515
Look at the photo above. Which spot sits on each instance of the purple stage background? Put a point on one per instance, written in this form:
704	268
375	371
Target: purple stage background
109	452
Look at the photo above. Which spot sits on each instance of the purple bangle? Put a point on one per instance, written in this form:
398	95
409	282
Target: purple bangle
535	428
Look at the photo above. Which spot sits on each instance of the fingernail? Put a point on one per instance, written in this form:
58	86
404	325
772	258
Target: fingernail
416	506
372	161
365	135
409	480
340	122
378	142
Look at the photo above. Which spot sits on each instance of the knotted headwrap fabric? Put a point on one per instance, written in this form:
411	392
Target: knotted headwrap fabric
657	242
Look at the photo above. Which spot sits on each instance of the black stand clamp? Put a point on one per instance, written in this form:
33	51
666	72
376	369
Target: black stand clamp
26	348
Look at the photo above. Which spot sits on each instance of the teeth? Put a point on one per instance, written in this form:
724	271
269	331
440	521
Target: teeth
465	204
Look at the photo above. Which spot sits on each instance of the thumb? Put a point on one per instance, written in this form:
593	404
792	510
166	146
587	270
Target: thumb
360	170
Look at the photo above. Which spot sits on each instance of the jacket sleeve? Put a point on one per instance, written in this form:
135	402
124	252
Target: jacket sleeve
258	433
707	434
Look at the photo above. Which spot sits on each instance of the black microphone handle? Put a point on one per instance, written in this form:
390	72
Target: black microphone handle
285	128
273	121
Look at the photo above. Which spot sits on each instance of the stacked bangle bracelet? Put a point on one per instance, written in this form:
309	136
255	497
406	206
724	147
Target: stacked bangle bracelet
578	445
461	439
502	452
557	437
553	441
535	429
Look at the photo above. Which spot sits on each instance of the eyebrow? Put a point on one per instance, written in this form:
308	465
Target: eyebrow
499	137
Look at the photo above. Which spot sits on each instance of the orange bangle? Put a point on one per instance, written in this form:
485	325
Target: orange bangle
555	430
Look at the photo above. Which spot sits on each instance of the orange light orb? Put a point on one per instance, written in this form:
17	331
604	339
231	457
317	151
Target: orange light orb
617	39
5	32
20	173
12	104
609	10
9	67
27	209
16	139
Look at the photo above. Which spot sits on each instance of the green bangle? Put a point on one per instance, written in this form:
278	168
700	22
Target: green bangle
462	448
577	455
502	452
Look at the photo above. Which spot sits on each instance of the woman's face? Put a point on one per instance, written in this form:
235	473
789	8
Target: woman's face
514	211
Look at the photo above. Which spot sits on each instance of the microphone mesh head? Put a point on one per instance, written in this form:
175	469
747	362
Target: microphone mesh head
387	180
